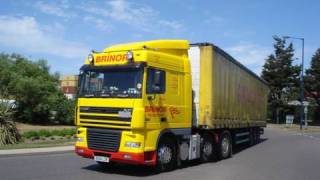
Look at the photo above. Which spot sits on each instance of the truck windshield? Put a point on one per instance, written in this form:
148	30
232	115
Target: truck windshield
115	83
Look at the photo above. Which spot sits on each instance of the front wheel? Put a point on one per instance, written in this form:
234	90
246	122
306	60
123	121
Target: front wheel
166	155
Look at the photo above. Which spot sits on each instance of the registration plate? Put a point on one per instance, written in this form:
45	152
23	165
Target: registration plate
101	158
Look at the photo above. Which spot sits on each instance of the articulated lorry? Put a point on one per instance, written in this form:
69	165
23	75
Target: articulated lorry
160	103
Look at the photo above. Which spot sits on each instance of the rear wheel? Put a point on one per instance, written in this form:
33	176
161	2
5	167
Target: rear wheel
166	155
207	148
225	145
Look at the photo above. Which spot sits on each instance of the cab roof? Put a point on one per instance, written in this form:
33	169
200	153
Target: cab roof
156	44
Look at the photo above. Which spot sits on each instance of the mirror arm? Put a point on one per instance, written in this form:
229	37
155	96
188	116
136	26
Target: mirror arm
151	97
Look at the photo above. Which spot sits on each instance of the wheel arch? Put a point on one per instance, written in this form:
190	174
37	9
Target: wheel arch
167	133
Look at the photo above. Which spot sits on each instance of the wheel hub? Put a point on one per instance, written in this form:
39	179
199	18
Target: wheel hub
225	145
207	148
165	154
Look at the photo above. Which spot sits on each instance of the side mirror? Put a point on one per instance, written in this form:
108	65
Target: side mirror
157	78
156	81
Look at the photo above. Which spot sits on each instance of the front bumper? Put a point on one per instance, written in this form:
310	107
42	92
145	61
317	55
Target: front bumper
146	158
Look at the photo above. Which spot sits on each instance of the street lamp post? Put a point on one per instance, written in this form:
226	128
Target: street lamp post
301	82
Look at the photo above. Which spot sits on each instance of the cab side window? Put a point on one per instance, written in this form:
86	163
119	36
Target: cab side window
156	81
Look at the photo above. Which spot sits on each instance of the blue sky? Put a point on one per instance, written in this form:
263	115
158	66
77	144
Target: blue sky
64	31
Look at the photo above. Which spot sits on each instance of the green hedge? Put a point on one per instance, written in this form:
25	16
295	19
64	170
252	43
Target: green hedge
48	133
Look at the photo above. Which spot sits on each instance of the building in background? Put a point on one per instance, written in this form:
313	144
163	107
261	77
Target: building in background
69	85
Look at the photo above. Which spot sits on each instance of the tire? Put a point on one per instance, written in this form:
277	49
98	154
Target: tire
253	140
257	135
225	145
207	148
166	155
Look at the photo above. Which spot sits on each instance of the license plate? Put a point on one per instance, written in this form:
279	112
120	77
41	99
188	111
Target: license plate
101	158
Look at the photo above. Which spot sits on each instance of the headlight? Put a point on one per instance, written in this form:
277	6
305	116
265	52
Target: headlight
132	144
130	56
90	58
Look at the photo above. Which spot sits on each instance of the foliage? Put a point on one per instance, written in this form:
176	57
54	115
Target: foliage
64	109
9	133
47	133
282	76
35	90
313	78
312	82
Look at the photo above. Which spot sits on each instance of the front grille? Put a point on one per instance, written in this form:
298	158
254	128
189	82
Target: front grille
110	117
103	139
103	110
105	118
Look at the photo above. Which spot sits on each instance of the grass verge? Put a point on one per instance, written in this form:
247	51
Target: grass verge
64	142
44	138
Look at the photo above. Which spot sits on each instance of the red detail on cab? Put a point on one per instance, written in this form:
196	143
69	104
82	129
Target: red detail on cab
146	158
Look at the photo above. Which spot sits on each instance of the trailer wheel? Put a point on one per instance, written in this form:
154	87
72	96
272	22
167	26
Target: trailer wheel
166	155
257	135
252	137
207	148
225	145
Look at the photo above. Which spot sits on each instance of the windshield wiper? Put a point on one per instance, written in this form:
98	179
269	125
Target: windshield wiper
88	95
105	95
122	95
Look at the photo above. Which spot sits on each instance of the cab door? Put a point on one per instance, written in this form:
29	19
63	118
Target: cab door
165	101
155	109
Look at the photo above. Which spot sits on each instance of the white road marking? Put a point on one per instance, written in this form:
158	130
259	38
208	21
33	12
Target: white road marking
309	136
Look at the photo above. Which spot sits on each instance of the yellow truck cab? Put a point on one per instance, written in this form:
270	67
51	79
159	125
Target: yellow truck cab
163	102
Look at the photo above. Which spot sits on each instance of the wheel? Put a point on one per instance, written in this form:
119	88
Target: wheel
257	135
252	137
207	148
166	155
225	145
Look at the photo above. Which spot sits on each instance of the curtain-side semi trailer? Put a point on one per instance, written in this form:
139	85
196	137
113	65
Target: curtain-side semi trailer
163	102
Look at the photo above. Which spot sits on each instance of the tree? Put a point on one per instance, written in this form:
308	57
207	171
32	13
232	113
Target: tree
34	89
312	81
63	108
282	76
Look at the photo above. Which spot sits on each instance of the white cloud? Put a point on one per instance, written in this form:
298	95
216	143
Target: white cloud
251	55
27	34
99	23
176	26
60	10
104	15
139	16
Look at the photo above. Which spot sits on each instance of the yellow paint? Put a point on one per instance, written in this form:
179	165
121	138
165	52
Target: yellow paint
82	133
160	45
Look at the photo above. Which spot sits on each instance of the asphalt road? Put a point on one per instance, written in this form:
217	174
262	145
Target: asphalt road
282	155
